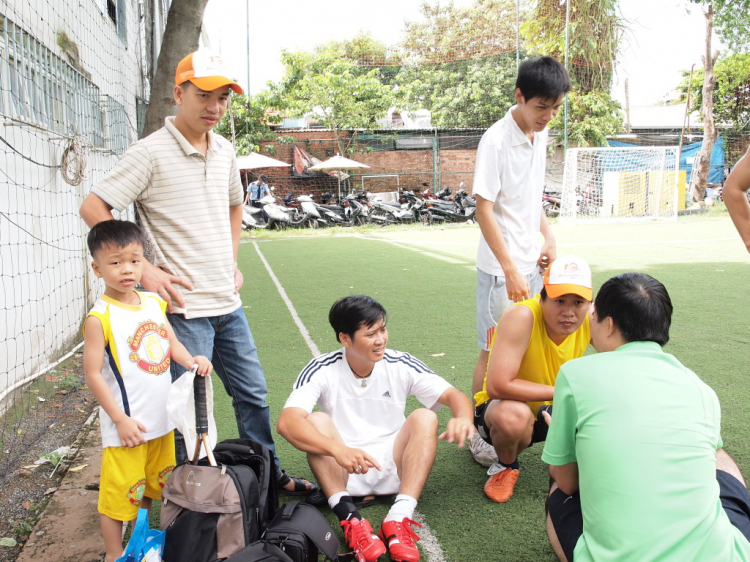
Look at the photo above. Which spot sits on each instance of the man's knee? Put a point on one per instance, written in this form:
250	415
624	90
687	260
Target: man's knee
510	418
323	423
424	419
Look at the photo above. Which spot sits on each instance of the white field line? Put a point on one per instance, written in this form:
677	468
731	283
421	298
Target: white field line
305	334
405	243
429	541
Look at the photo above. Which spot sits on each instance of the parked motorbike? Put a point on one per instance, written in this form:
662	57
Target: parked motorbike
383	212
551	203
461	209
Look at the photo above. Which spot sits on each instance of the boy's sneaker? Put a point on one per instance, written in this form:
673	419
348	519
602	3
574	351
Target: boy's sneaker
399	537
499	488
361	538
483	452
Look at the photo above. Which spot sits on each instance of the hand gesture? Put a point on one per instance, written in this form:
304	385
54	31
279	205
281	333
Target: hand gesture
129	431
516	285
156	280
202	365
239	280
355	461
458	430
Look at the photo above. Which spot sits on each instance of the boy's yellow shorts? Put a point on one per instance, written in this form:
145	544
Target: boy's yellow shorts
129	474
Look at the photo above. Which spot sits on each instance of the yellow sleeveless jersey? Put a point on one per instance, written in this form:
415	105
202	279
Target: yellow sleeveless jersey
543	358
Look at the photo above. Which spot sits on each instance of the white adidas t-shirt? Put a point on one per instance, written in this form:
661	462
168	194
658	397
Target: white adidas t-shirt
136	364
366	414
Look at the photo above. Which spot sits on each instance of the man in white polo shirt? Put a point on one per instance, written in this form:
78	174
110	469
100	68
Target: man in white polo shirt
186	186
508	185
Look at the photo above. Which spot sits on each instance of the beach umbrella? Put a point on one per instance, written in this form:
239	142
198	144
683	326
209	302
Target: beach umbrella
338	163
255	160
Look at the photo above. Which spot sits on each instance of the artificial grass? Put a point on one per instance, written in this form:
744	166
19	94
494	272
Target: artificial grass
431	315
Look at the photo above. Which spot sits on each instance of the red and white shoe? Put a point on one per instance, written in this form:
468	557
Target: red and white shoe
399	537
362	539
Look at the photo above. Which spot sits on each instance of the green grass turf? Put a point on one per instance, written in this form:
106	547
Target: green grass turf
425	278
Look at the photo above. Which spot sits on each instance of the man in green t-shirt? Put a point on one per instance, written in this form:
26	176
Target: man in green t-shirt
634	445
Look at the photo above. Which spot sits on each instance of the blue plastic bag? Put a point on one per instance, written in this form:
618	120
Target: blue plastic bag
145	545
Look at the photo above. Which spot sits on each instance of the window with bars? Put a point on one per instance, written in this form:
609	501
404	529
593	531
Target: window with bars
39	88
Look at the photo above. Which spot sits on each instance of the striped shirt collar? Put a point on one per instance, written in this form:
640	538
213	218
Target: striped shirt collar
213	144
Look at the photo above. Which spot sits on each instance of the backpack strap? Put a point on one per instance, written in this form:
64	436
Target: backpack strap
308	520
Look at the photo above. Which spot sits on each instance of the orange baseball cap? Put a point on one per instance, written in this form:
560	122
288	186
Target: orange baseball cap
206	70
569	275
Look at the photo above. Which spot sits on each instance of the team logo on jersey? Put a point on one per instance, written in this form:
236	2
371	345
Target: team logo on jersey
164	475
136	492
149	347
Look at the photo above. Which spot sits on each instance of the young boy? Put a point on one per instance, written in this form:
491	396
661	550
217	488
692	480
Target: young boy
128	346
508	184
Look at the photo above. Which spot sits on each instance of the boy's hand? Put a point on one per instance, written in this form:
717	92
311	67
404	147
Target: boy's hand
129	431
203	364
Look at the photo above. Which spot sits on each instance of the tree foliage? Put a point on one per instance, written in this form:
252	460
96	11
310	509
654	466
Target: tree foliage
731	22
592	117
731	94
595	32
253	118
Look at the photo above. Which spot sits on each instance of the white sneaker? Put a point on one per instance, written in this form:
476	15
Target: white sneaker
483	452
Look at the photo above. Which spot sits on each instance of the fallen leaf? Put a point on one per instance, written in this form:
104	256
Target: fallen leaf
48	492
41	399
437	355
19	431
61	392
78	468
34	390
31	466
26	504
50	378
8	541
52	424
58	405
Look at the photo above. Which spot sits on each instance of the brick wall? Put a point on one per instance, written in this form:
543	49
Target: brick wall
415	168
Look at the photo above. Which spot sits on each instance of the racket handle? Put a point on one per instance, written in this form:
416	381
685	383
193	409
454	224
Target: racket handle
201	412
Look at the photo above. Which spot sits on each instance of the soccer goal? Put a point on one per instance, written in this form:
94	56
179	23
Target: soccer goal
621	184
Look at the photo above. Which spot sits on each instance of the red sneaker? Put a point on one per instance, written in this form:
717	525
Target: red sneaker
361	538
400	537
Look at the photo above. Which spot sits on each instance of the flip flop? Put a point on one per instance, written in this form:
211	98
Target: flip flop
300	485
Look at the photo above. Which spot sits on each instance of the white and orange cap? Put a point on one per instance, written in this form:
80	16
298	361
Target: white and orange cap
569	275
206	70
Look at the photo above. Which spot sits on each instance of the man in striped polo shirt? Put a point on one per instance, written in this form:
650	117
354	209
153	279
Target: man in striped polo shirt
186	186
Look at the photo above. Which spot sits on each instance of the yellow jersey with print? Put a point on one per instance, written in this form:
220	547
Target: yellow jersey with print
543	357
136	364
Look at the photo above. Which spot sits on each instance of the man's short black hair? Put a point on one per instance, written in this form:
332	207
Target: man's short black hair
349	314
543	77
639	306
115	233
262	178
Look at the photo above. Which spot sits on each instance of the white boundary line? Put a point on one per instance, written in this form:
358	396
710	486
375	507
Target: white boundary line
430	544
305	334
626	243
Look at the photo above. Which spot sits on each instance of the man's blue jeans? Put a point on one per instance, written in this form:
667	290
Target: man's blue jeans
226	340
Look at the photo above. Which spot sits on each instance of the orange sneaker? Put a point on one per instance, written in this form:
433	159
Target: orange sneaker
361	538
499	488
400	537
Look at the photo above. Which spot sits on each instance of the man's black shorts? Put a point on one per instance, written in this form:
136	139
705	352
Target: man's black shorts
567	518
538	433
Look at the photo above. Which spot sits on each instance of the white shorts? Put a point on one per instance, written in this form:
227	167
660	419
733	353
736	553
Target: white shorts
492	301
377	482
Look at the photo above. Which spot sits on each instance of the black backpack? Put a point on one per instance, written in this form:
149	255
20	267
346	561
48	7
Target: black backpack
300	530
212	512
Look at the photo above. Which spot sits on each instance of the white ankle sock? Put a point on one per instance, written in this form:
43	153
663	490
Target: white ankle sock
334	500
402	508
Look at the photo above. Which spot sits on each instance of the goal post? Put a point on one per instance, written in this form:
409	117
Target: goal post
617	184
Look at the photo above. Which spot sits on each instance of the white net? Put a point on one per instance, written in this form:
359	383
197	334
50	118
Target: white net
621	184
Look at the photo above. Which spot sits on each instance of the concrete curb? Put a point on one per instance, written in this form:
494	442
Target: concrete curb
68	529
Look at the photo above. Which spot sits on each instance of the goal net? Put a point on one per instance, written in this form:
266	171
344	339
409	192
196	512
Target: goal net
621	184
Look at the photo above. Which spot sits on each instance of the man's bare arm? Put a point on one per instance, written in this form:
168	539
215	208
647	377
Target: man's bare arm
549	248
735	197
566	477
294	426
235	221
508	350
515	283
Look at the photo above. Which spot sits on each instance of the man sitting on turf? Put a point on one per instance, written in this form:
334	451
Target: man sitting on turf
360	442
635	447
533	339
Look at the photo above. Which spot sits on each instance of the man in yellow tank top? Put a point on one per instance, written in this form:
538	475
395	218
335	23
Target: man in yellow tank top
533	339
